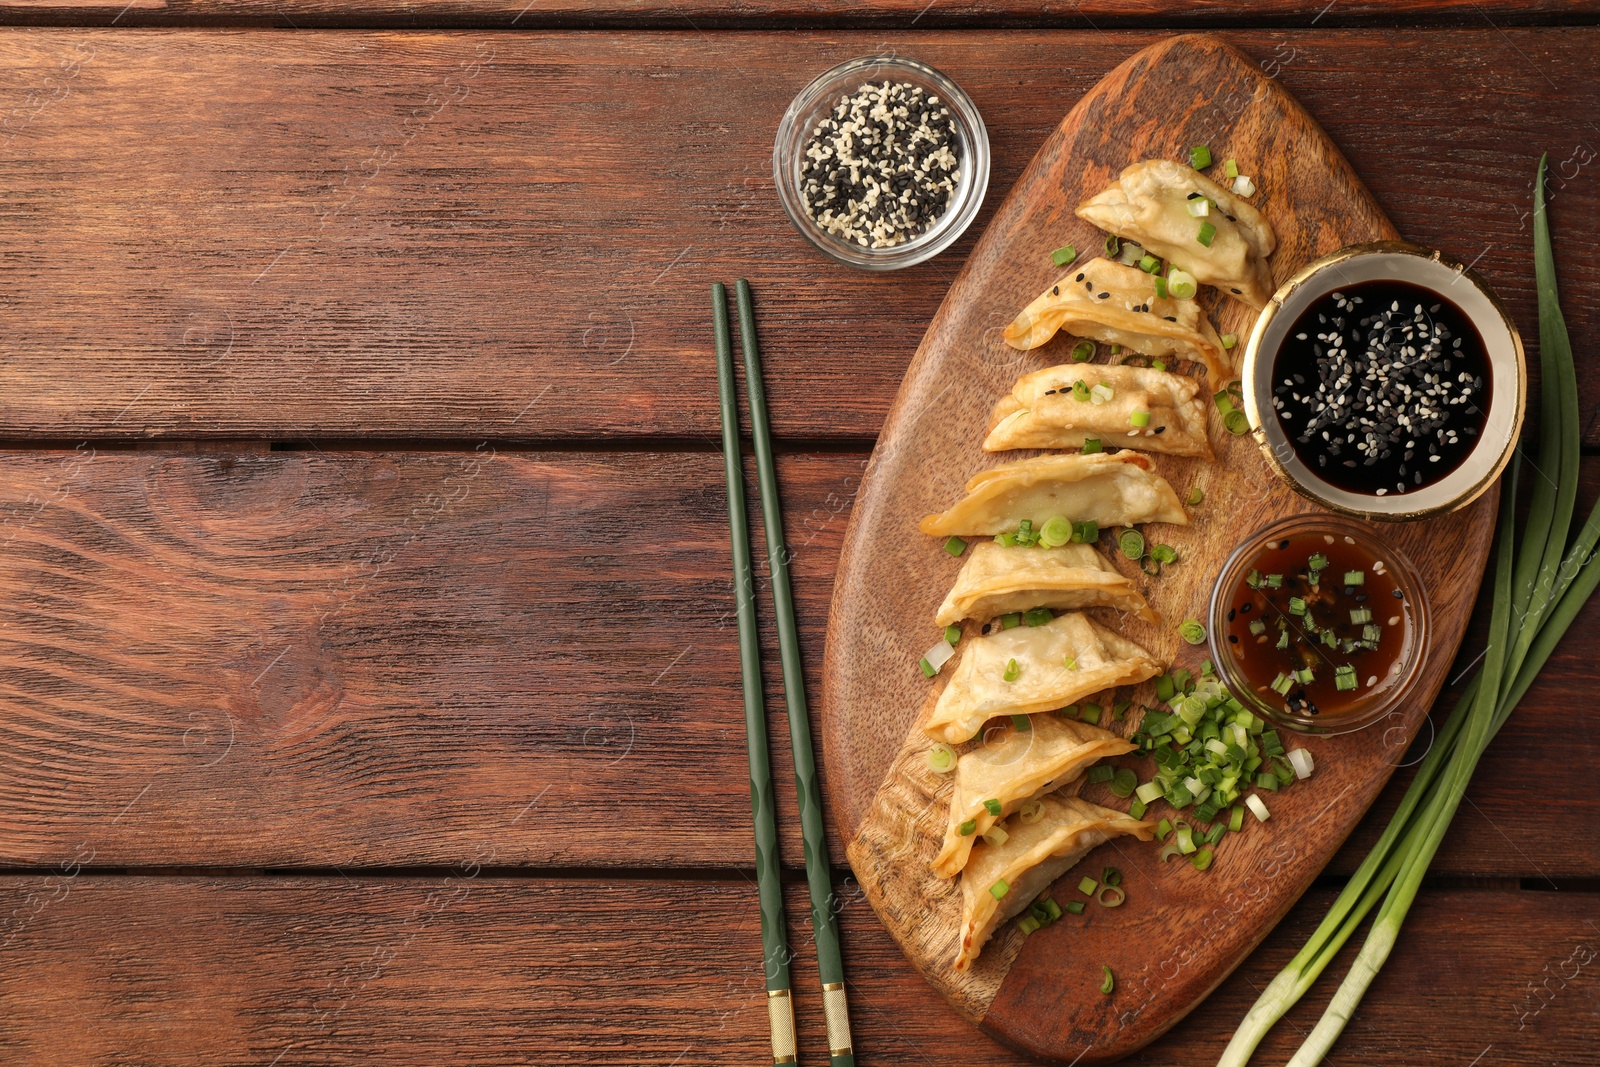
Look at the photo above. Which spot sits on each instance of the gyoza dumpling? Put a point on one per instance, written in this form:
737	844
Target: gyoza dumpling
1109	489
1117	304
1057	663
1150	204
997	580
1045	410
1032	857
1018	766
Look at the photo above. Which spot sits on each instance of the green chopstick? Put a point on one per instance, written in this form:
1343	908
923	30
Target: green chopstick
774	940
819	877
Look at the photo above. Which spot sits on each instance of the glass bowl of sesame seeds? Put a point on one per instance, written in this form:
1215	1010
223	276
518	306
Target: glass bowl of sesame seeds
1386	381
881	162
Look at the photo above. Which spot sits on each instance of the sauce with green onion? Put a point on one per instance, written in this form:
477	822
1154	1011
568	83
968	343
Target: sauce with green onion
1318	626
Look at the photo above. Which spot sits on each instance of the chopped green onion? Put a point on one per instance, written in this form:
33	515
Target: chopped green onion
1304	676
1163	828
1149	264
1110	876
1355	577
1160	286
1092	445
1236	422
1091	714
1028	924
1258	627
1101	393
1008	540
1257	807
1108	983
1207	234
1202	859
1236	819
1113	246
1229	340
1199	207
1302	763
1063	255
1069	662
955	546
999	889
1123	785
1164	554
1186	843
1102	772
1371	633
1196	495
927	668
1149	792
992	806
1200	157
1110	896
996	835
1267	781
1156	364
1181	284
1051	908
1031	811
1131	542
1283	639
1011	620
1344	678
1282	684
1230	167
1120	708
1074	906
942	759
1297	605
1083	352
1037	616
1317	562
952	635
1085	532
1080	391
1274	581
1055	531
1139	418
1165	687
968	828
1192	632
1087	886
1253	579
1021	723
1360	616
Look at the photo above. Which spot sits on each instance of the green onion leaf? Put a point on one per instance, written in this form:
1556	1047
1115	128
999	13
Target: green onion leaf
1087	886
1160	287
1149	264
1200	157
1011	620
1131	542
1113	246
968	828
1164	554
1021	723
992	806
1201	860
1108	983
1092	445
1110	896
1124	783
1139	418
1196	495
999	889
1191	631
1055	531
1102	772
1207	234
1037	616
1083	352
1063	255
928	670
952	635
1230	167
1074	906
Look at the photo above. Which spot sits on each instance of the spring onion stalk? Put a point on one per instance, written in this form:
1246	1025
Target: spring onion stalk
1538	591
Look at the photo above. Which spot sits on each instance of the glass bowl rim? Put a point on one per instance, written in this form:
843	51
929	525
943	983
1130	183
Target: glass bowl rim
1383	704
967	198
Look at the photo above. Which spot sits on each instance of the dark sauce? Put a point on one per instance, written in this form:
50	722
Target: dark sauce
1382	387
1377	657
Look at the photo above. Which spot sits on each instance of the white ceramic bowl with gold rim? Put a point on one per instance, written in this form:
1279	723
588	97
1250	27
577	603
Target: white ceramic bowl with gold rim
1430	269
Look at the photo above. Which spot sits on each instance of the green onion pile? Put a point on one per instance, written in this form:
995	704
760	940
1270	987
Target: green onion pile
1542	578
1209	751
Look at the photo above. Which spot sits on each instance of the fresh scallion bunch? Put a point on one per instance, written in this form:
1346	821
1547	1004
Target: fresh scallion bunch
1539	588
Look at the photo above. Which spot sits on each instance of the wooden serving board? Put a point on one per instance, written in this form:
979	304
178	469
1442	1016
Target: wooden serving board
1181	930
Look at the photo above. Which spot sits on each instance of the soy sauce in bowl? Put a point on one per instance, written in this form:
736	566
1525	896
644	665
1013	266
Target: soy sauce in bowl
1382	387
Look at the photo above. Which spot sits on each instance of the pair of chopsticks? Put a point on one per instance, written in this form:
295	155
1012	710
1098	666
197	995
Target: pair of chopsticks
774	941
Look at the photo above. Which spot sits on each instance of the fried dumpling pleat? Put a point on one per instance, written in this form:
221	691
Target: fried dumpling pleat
1058	663
1042	411
1130	315
1033	856
1110	489
996	580
1016	766
1149	204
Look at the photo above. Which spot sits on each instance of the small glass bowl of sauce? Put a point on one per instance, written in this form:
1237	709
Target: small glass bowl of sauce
1318	625
1386	381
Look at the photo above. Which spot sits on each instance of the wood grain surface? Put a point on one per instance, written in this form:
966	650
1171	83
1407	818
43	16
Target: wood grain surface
708	14
445	667
465	236
1025	990
470	969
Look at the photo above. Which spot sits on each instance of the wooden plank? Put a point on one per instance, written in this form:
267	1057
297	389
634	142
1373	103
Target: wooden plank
484	971
470	236
436	677
707	14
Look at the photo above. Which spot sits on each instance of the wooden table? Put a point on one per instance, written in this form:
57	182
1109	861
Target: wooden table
368	687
